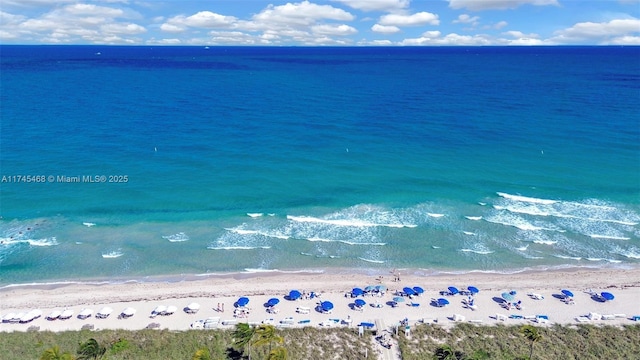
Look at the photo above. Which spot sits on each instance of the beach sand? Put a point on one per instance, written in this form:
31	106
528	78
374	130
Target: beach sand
224	290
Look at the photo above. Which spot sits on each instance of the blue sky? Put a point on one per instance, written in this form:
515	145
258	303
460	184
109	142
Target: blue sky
321	22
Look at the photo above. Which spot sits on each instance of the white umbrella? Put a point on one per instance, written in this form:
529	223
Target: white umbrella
8	317
85	313
193	308
128	312
18	317
159	310
36	313
67	314
54	315
28	317
170	310
104	312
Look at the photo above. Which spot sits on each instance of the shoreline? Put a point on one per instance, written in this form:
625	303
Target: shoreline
225	290
252	273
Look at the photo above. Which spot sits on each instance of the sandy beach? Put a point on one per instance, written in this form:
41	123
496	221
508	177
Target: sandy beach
216	293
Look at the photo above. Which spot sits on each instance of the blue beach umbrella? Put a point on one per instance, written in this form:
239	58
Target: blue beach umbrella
443	302
370	288
360	303
418	290
409	291
294	295
357	292
567	293
381	288
607	296
326	305
453	290
507	296
273	302
398	299
473	289
243	301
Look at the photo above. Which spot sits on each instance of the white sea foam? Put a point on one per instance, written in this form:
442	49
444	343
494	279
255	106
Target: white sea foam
526	199
260	270
254	215
242	231
52	241
112	254
434	215
88	224
480	252
545	242
469	233
238	247
609	237
523	248
344	222
316	239
372	260
568	257
436	247
179	237
474	218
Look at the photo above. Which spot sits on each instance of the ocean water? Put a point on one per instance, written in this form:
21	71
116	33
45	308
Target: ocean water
134	163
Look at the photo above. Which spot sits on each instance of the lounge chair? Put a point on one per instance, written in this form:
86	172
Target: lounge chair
635	318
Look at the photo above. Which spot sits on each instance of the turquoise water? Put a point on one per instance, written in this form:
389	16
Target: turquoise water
256	159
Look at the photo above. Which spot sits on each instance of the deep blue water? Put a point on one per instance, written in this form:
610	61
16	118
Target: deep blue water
433	159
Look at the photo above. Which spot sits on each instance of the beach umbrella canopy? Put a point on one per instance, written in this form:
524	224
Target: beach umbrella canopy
566	292
443	302
243	301
454	290
360	303
607	296
54	315
194	306
128	311
357	292
398	299
85	313
381	288
418	290
273	302
170	310
105	311
326	305
473	289
294	294
370	288
507	296
409	291
160	309
66	314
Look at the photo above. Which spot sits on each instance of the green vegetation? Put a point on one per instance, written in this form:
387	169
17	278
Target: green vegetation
464	341
468	341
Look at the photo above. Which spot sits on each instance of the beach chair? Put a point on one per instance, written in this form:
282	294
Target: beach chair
501	317
542	319
458	317
635	318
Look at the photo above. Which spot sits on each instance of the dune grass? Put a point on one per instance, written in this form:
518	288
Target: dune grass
492	342
506	342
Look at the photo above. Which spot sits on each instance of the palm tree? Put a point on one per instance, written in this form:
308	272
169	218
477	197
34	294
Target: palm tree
531	333
55	354
202	354
267	336
279	353
445	352
91	350
243	336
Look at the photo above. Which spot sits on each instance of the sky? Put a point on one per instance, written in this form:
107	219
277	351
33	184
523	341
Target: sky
321	22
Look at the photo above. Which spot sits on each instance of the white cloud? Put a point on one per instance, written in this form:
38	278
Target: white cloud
385	29
202	19
599	33
479	5
89	9
499	25
433	38
379	43
376	5
466	19
417	19
304	13
164	42
123	29
624	40
335	30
